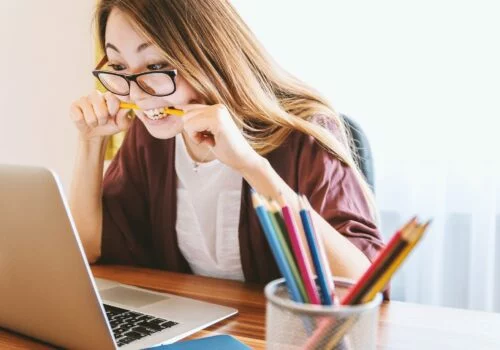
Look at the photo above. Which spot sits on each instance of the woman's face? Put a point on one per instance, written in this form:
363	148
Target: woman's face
129	52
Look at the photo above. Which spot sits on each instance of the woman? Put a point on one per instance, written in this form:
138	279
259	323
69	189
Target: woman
177	194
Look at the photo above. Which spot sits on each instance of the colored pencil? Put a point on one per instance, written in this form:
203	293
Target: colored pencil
284	236
322	251
276	250
354	291
273	214
312	240
276	210
411	232
389	272
343	326
300	252
403	242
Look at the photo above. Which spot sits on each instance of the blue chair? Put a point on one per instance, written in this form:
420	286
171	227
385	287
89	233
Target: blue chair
362	151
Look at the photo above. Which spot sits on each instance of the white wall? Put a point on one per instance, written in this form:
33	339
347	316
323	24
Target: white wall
429	64
46	59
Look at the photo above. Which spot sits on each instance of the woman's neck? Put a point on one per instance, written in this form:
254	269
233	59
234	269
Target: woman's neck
198	152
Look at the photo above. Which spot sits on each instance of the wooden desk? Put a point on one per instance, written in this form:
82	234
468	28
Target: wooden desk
401	326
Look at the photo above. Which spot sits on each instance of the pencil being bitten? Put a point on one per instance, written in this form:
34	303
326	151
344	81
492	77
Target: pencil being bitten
167	110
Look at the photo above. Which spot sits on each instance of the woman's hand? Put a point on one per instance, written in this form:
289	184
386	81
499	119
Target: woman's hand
98	115
214	127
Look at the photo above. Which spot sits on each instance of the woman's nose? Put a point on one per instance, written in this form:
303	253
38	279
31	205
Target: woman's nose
136	93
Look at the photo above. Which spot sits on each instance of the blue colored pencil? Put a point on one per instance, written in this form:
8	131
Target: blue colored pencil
322	252
318	261
278	253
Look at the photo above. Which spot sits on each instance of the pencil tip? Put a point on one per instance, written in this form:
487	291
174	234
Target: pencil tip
281	199
301	202
256	201
275	205
306	203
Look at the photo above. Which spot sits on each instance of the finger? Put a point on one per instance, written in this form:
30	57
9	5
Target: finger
193	114
201	128
217	111
202	137
76	115
88	112
123	120
205	138
199	121
190	107
100	107
112	102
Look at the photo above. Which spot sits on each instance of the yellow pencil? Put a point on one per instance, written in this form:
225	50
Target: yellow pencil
415	237
338	333
173	111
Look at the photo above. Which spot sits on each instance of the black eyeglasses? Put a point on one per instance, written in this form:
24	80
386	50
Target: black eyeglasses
155	83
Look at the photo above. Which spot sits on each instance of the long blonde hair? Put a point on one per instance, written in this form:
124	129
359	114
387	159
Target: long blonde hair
215	51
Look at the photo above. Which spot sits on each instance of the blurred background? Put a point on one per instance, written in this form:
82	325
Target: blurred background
422	78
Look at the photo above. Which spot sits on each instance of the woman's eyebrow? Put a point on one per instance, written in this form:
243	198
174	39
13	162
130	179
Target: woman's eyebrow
143	46
140	48
112	47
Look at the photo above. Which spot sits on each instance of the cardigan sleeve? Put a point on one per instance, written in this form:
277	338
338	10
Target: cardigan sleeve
336	194
125	225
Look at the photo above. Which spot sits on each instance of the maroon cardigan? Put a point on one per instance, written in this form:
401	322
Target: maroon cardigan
139	204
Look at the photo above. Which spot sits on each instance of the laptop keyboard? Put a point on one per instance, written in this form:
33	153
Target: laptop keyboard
129	326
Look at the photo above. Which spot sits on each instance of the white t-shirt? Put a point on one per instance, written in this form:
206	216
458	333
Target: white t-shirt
208	214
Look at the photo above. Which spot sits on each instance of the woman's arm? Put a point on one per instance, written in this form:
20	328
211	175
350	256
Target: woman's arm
345	258
230	147
96	116
85	198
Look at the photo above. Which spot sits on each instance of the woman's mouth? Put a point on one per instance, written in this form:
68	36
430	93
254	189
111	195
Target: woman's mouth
155	114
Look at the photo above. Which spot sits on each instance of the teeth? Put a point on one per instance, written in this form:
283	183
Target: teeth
155	114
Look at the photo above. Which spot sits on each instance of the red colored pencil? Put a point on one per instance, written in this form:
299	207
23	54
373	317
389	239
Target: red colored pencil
300	252
354	291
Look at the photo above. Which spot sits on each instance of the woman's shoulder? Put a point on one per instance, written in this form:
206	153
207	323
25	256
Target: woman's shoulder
299	140
302	156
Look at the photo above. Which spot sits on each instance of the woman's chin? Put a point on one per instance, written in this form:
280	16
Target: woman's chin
162	135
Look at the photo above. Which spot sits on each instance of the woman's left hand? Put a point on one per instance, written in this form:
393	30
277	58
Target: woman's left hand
214	126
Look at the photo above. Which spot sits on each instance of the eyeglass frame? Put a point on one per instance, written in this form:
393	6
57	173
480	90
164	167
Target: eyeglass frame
172	73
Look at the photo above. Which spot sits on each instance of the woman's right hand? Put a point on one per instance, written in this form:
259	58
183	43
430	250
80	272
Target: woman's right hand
99	115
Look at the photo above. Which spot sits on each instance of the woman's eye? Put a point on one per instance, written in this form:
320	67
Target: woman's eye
157	66
116	67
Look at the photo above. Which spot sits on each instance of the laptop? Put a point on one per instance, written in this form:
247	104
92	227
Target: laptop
47	290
